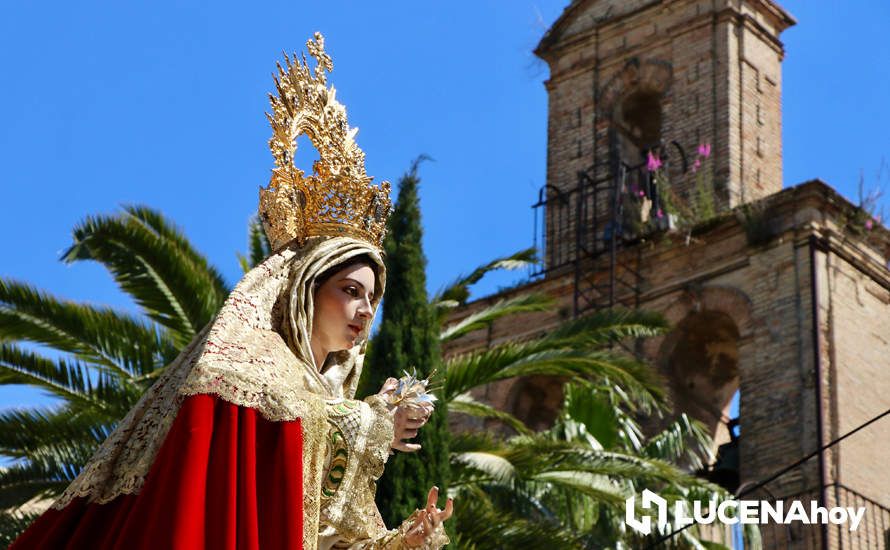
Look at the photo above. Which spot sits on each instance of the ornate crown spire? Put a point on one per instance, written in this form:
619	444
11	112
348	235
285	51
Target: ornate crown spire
338	198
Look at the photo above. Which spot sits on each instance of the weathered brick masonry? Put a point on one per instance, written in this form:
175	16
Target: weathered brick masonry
741	294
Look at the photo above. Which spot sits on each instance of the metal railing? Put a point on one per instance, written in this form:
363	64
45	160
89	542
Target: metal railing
585	229
872	533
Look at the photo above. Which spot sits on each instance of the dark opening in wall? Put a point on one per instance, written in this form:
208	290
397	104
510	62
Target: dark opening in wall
639	119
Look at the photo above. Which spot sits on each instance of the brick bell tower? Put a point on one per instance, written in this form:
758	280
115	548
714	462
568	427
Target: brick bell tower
630	76
783	296
670	75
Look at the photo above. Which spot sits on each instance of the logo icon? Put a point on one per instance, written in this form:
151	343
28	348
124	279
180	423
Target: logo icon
649	499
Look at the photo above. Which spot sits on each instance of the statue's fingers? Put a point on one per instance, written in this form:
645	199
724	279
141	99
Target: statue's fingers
428	526
417	527
449	509
432	497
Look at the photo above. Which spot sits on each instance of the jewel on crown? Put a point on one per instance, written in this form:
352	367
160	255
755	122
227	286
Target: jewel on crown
338	198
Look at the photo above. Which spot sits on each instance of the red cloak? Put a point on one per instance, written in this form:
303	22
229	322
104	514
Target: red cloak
224	478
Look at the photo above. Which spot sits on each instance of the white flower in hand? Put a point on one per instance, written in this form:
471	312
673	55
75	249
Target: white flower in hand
408	418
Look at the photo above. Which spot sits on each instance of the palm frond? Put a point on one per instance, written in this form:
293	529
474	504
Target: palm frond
257	243
607	326
594	486
13	523
68	380
153	263
28	433
168	231
115	341
532	456
485	317
536	456
480	525
459	290
685	439
489	467
20	483
537	357
475	441
465	404
589	405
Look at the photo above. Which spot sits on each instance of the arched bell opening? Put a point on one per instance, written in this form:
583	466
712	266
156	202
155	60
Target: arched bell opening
638	119
702	365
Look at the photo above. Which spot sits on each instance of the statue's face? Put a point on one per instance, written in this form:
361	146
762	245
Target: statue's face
343	308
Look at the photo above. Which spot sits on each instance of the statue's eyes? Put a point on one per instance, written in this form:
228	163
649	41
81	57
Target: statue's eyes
352	291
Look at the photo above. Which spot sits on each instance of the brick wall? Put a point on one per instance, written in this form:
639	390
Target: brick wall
766	290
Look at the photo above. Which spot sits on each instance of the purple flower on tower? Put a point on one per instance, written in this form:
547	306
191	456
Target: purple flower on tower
653	163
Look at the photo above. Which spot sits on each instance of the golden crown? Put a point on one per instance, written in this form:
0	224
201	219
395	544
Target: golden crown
338	198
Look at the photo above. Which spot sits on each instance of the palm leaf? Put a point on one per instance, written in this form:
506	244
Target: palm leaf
258	245
68	380
480	525
510	359
152	262
117	342
13	524
459	290
608	326
487	467
589	405
465	404
168	231
685	439
597	487
532	456
26	433
485	317
22	482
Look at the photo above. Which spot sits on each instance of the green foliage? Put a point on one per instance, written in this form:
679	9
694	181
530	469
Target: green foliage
14	524
483	318
102	359
565	487
756	220
111	340
574	350
408	338
257	244
485	525
574	477
458	292
153	262
703	204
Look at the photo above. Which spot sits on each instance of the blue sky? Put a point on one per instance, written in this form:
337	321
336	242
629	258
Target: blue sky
162	104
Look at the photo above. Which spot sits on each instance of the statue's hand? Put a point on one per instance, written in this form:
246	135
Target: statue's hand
407	420
428	520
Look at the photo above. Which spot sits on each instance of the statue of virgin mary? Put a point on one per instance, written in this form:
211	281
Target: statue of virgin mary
251	438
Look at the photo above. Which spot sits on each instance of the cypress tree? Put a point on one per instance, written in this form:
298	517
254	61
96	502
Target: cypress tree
408	338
